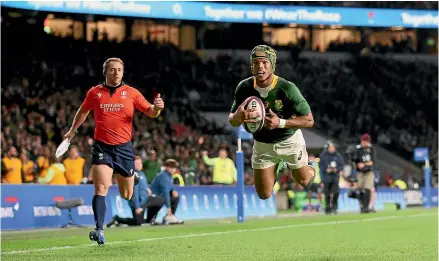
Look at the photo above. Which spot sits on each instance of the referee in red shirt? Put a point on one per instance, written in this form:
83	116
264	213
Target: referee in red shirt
113	103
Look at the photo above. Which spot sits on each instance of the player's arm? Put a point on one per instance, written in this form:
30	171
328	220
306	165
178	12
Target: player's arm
235	118
144	106
304	117
237	113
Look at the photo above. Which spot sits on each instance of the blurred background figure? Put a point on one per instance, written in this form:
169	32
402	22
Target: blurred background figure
331	167
29	168
365	158
162	188
151	166
224	169
55	173
11	167
75	166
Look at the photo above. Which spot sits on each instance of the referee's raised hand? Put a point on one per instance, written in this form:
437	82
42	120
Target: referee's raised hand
159	104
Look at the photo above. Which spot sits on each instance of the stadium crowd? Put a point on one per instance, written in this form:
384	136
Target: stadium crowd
44	82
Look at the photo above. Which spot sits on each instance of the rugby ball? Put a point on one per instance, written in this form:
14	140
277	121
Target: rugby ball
255	103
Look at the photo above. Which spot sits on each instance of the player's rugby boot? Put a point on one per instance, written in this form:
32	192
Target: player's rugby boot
98	236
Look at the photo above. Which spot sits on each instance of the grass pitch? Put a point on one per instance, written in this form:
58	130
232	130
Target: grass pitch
404	235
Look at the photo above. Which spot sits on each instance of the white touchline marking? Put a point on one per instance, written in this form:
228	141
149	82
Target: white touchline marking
222	233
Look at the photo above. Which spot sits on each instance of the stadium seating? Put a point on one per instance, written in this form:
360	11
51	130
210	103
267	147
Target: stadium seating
44	81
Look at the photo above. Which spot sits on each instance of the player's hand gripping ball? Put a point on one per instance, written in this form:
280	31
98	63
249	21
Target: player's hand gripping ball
159	104
272	121
253	114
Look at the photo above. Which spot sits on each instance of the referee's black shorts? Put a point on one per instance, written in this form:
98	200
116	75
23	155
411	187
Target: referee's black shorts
118	157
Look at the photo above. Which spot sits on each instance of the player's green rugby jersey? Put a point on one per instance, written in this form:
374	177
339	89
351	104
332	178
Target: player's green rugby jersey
284	99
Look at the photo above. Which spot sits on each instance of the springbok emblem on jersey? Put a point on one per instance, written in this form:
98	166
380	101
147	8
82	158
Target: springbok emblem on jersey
278	104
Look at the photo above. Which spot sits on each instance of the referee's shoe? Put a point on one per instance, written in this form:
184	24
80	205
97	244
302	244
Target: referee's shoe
98	236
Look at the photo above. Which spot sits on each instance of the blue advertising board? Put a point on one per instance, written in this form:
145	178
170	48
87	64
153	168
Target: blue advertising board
241	13
33	206
30	206
383	196
207	202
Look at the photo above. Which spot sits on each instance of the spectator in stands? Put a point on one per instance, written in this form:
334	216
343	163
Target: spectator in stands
75	166
368	94
399	183
28	169
151	166
11	167
224	170
43	161
203	175
55	174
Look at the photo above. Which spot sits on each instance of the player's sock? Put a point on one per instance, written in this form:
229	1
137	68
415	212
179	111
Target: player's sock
174	204
99	208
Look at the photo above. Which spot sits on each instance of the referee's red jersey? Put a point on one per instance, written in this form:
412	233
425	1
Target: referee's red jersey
114	114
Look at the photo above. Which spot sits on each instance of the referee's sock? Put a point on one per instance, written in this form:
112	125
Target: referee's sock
99	208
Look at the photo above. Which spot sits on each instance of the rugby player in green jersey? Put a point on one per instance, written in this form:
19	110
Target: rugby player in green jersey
281	139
